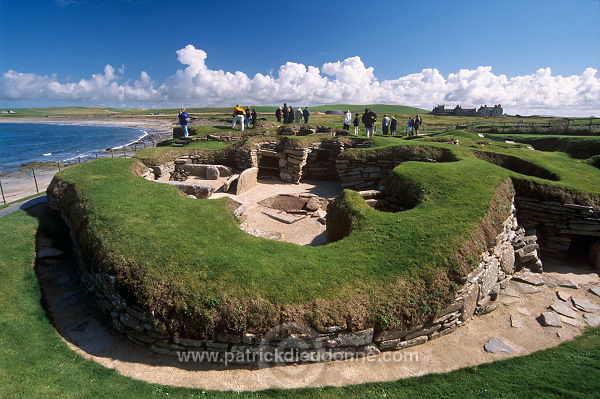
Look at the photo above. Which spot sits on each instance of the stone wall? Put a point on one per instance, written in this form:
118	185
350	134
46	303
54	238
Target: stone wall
358	175
476	295
558	224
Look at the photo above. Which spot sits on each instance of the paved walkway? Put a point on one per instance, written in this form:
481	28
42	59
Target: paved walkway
23	205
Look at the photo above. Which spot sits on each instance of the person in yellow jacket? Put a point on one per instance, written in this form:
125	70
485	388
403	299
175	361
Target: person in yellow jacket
238	115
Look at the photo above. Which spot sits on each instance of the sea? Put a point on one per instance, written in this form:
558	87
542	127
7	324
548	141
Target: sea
22	143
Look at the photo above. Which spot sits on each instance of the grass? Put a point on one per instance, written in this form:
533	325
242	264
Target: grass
35	363
415	249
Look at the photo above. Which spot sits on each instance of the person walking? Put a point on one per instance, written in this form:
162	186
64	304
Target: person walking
385	124
347	120
368	119
416	124
393	126
298	115
356	123
409	126
238	116
183	121
306	114
278	114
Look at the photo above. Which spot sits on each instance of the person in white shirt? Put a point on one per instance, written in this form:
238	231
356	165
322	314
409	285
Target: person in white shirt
347	120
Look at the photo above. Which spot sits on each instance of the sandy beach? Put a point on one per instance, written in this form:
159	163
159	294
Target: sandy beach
21	184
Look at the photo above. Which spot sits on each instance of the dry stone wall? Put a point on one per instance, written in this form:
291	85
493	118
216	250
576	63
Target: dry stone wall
559	224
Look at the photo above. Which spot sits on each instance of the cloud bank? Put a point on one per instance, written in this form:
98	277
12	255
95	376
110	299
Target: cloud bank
347	81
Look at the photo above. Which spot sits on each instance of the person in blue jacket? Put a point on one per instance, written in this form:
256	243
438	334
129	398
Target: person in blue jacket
306	114
183	121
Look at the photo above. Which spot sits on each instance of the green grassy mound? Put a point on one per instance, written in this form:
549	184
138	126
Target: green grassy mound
188	261
36	363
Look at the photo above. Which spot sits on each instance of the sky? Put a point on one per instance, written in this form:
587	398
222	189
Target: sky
535	57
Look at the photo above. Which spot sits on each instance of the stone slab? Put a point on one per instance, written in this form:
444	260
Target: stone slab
496	345
550	319
535	279
584	305
90	335
564	309
283	217
592	320
247	180
595	291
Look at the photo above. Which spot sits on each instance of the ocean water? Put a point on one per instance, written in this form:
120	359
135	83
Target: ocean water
21	143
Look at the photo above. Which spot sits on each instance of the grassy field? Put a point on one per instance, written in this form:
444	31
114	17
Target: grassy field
35	363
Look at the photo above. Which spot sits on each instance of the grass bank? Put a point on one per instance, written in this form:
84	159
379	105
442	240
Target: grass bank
35	363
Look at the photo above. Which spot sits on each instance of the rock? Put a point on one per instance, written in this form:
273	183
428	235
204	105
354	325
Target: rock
549	319
507	261
516	320
247	180
496	345
510	291
269	235
529	278
563	296
313	205
68	302
211	172
48	252
592	320
524	288
63	279
595	290
563	309
561	282
470	302
283	217
584	305
568	320
358	338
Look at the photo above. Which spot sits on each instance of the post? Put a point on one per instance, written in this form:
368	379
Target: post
111	153
78	159
124	154
58	164
2	191
35	180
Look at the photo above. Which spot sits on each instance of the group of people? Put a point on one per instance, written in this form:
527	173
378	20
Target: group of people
288	115
388	125
244	117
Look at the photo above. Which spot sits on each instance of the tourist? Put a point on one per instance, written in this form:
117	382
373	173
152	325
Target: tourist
290	118
306	114
368	119
285	113
248	116
298	115
347	120
278	114
238	116
418	121
385	124
393	126
253	116
183	121
409	126
356	124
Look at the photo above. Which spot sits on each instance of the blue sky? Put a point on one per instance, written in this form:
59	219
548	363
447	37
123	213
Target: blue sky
536	56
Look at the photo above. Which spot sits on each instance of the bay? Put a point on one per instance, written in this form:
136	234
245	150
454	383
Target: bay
22	143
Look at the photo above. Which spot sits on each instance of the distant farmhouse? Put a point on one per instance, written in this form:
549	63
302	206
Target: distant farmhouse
484	110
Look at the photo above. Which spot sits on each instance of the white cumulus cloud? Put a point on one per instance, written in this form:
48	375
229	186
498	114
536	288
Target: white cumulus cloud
347	81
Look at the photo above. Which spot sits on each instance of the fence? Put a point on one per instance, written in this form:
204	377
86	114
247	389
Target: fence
32	181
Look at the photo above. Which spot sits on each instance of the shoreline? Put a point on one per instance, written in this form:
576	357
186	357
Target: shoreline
21	183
